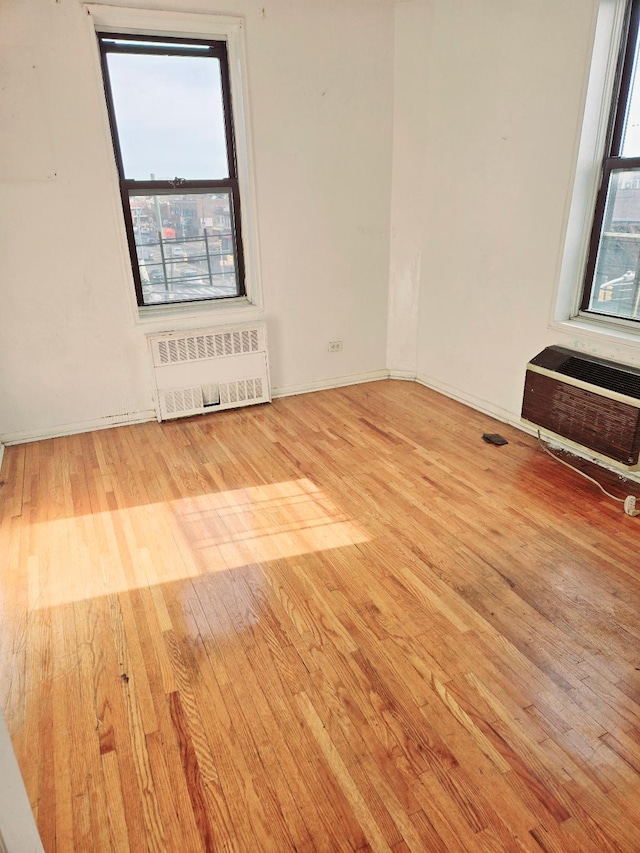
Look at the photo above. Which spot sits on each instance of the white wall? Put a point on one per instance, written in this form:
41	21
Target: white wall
488	112
322	110
72	353
17	827
409	188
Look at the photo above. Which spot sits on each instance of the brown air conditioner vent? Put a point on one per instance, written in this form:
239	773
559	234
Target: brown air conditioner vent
602	375
592	403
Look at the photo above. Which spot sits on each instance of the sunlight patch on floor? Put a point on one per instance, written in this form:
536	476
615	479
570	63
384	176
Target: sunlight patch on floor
157	543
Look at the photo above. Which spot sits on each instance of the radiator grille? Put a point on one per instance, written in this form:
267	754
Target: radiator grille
241	391
602	375
214	345
182	400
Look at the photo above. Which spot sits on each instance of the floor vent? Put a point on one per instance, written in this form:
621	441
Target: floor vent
209	369
585	401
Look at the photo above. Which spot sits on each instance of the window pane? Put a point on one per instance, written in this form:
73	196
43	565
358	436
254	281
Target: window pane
616	284
185	246
630	145
169	116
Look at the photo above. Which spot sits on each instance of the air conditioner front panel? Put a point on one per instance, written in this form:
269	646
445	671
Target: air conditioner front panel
591	420
591	403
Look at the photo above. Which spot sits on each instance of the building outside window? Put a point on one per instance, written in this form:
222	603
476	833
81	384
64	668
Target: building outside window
170	111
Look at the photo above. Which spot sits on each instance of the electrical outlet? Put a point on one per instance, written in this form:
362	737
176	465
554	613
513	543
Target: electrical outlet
335	346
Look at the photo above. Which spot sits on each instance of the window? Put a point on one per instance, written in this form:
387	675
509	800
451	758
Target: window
169	105
612	282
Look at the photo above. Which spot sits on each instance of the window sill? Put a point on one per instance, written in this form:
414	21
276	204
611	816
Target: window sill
239	309
617	331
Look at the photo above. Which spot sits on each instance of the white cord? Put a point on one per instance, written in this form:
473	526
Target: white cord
629	502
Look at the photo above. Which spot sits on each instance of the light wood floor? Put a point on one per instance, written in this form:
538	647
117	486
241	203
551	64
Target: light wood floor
339	622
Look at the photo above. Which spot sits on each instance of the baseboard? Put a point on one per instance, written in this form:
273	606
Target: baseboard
327	384
405	375
477	403
22	436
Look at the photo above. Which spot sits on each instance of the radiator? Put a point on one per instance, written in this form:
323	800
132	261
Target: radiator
208	370
586	402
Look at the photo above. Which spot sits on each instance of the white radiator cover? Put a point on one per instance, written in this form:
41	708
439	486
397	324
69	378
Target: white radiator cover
208	370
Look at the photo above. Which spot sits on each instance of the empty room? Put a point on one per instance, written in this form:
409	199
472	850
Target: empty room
320	426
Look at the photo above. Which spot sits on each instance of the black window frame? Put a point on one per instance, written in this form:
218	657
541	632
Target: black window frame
613	161
112	42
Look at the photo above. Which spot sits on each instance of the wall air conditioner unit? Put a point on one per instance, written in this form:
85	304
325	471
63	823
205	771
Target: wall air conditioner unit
209	369
586	402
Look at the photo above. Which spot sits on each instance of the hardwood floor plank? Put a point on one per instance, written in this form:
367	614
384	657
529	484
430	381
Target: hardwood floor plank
342	779
174	797
64	662
130	743
254	717
244	806
183	705
122	835
195	781
91	822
